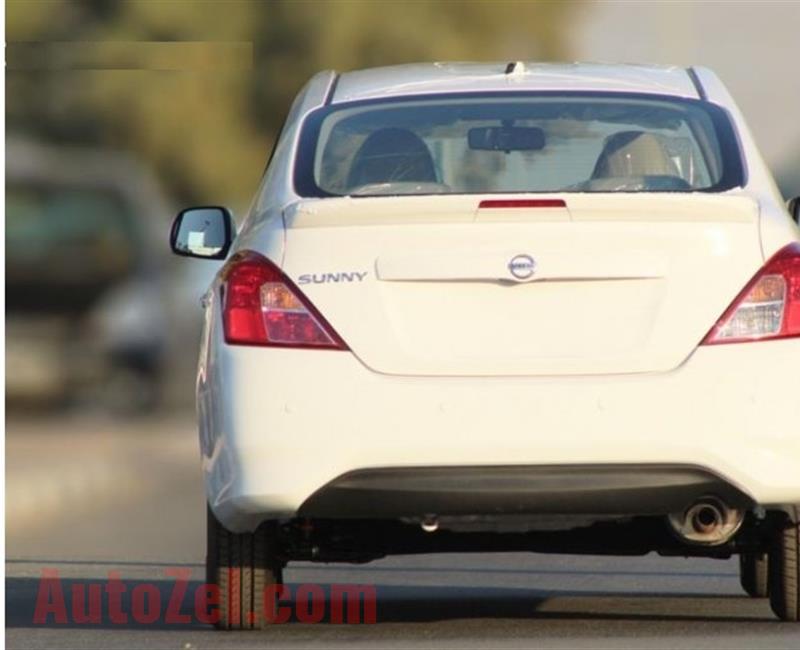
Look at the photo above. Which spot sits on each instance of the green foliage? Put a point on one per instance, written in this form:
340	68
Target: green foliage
199	89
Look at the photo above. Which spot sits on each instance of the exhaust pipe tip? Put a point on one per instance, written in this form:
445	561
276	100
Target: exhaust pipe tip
708	521
705	518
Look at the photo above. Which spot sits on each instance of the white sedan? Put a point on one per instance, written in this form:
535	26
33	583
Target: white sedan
550	308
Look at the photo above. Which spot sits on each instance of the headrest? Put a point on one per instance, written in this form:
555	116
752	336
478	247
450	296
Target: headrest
633	153
391	154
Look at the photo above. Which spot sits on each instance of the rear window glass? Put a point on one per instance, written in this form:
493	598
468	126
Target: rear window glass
517	143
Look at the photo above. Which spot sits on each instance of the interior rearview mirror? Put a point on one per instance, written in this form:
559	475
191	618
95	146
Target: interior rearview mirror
793	205
506	138
205	232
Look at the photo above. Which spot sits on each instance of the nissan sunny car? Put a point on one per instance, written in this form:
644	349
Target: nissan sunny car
502	307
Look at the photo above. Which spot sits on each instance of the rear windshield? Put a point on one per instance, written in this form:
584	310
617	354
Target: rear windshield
517	143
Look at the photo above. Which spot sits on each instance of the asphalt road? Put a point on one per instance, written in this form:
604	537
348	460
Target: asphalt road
86	497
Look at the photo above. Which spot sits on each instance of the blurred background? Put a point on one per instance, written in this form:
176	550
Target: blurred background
118	112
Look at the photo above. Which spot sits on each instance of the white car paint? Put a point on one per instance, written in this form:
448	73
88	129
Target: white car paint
479	77
431	382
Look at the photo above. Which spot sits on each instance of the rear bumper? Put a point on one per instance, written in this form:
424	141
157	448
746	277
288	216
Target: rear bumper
278	425
512	490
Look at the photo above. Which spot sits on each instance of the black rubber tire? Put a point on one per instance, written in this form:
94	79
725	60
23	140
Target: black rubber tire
753	574
784	574
242	565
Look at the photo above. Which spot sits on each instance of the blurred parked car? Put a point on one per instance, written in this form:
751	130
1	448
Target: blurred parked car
84	279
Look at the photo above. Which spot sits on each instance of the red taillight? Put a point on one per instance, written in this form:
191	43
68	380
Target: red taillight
768	307
261	306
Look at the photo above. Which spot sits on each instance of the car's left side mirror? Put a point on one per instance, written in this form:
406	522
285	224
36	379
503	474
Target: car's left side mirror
793	205
205	232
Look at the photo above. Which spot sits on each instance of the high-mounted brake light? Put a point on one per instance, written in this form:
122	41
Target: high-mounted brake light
522	203
261	306
768	307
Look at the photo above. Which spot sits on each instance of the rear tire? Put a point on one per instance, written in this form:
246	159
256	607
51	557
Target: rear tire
242	565
784	574
753	574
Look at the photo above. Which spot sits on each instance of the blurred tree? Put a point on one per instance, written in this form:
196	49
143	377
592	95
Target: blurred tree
199	89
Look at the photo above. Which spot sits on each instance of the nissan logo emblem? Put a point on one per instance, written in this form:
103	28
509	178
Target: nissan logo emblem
522	267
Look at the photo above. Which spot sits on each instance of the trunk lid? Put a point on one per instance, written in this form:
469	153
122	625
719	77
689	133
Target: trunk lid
426	285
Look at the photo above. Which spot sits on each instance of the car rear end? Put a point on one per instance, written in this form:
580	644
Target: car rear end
413	357
601	361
